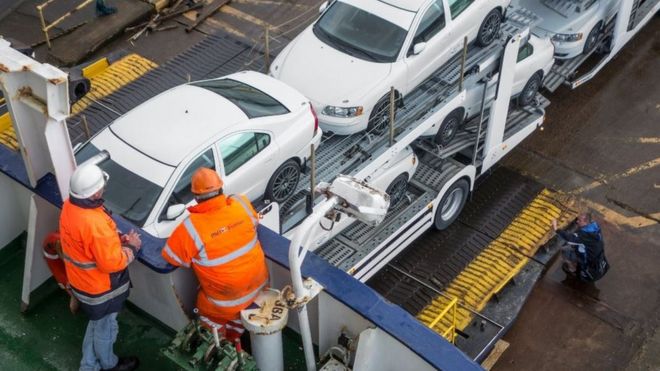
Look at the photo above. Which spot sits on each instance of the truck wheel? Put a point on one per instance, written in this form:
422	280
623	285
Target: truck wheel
284	182
449	127
592	38
379	120
397	189
527	95
490	28
451	204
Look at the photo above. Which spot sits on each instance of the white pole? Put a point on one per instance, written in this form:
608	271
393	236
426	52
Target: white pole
297	251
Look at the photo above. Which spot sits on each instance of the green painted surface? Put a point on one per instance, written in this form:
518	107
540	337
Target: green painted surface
48	336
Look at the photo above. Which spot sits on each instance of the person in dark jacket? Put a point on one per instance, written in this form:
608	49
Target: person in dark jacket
584	249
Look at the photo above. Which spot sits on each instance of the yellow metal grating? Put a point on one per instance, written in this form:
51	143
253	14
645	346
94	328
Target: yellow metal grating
497	264
104	79
112	78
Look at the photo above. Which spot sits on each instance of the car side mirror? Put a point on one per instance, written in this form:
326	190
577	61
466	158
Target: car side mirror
418	48
323	7
175	211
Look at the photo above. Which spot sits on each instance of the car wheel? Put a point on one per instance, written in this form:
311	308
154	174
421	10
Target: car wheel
397	189
592	38
451	204
490	28
379	120
284	182
449	127
527	95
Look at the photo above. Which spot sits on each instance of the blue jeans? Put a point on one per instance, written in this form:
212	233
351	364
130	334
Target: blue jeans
97	352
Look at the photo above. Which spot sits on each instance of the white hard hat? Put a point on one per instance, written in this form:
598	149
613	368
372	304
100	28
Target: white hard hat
87	180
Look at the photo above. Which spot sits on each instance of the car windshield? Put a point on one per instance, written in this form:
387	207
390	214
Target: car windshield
253	102
127	193
359	33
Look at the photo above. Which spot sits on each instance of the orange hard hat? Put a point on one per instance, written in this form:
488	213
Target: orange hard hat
205	180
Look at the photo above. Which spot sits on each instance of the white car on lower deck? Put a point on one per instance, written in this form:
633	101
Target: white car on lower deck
535	59
573	25
346	62
253	130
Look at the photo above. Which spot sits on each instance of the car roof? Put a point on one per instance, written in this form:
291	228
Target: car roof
410	5
171	125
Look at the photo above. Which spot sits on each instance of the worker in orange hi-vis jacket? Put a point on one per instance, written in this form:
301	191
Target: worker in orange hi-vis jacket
219	240
96	259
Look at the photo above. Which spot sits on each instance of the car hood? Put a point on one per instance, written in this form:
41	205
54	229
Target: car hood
312	67
556	19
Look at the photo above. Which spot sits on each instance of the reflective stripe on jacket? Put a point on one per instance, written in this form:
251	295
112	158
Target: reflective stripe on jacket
94	260
219	240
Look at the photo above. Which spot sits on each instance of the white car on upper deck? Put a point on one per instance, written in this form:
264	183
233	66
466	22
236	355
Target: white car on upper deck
255	131
349	58
535	59
573	25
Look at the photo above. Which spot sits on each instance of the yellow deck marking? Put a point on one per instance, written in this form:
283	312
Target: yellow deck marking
632	171
228	9
95	68
499	262
104	79
270	2
226	27
647	140
116	75
614	217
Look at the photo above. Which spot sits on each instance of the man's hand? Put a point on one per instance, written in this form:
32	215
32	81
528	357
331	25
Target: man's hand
129	254
554	224
132	238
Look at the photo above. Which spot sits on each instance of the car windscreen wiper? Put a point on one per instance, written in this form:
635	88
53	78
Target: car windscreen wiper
341	45
367	54
125	212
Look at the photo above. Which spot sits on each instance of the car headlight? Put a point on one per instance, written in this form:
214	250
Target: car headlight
567	37
342	111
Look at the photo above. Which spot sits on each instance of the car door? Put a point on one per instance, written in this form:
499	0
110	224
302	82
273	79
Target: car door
525	67
466	17
431	29
248	160
180	192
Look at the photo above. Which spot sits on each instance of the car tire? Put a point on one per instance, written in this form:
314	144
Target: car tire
449	127
451	204
282	185
379	120
490	28
592	38
397	189
527	95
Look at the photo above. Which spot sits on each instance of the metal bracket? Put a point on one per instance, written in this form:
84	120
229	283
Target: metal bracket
313	289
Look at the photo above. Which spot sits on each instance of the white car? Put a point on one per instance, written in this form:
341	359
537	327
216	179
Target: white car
535	59
573	25
255	131
349	58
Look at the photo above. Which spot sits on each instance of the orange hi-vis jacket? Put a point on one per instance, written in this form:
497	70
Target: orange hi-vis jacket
94	259
219	240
